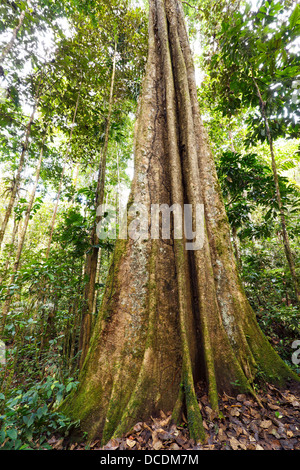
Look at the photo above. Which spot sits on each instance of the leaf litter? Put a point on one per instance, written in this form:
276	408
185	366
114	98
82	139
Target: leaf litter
241	424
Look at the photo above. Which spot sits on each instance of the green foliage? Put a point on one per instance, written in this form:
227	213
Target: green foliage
258	46
269	288
248	185
29	418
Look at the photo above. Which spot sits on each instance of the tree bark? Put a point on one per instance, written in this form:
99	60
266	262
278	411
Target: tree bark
169	316
285	236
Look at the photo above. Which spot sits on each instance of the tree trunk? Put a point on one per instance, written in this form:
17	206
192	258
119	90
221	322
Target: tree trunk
17	179
62	178
235	238
285	236
8	300
29	207
10	44
92	257
11	249
169	316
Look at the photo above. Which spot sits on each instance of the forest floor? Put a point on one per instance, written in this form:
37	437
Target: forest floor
243	424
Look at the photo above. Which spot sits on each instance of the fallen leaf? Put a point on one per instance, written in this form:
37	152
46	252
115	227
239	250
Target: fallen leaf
164	435
174	446
113	444
138	427
241	397
234	443
234	412
180	440
158	445
94	444
131	443
258	447
58	444
221	435
265	424
251	447
275	444
273	407
205	425
239	431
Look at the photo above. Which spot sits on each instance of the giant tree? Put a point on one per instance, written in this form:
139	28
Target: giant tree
171	316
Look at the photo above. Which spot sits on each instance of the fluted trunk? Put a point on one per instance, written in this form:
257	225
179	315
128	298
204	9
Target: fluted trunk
169	316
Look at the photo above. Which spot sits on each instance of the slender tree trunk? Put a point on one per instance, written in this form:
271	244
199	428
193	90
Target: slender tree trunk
236	246
8	300
13	38
48	329
76	323
54	214
235	238
170	316
92	257
17	178
29	207
52	226
97	280
74	182
285	236
11	249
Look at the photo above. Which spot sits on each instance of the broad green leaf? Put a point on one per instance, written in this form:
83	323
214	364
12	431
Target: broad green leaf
12	433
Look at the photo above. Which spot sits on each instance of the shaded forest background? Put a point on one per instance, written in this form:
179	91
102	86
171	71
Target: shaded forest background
70	81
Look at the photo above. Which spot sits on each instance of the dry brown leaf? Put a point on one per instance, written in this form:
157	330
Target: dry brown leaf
58	444
174	446
130	443
164	435
273	407
234	412
241	397
239	430
251	447
138	427
205	425
113	444
158	445
222	435
234	443
265	424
